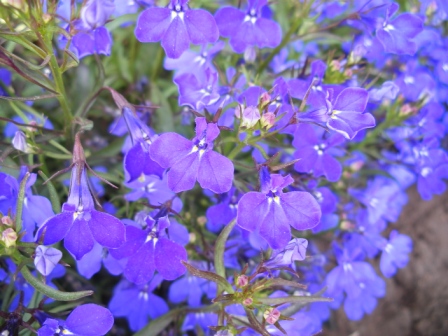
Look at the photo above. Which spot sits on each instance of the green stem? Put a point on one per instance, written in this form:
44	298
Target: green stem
47	37
20	200
236	150
51	292
294	27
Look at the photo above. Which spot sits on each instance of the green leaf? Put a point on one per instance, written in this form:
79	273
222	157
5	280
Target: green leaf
220	248
222	282
54	198
23	38
32	76
21	198
292	299
51	292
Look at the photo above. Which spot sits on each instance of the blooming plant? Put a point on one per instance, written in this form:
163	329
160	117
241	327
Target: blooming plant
302	122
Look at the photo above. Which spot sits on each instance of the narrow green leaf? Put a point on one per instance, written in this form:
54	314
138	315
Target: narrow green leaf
292	299
220	248
20	201
277	282
51	292
34	77
54	198
222	282
159	324
23	38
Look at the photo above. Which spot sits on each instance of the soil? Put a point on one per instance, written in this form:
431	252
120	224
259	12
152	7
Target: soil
416	303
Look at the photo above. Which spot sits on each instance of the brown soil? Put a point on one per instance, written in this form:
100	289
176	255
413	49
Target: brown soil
416	303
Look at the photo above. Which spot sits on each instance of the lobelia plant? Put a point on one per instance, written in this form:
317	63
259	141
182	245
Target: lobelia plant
303	122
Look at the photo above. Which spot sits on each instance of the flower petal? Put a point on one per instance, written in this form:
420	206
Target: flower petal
215	172
107	230
90	320
79	239
167	259
152	24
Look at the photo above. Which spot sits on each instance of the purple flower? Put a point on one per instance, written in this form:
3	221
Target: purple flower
96	12
346	112
358	280
85	320
36	209
137	303
150	249
88	42
316	152
223	212
46	259
294	251
176	26
270	211
137	161
189	160
197	90
91	262
192	288
248	28
79	223
397	35
395	253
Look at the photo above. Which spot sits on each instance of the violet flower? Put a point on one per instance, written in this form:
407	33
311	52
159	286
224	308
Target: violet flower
137	303
85	320
176	26
189	160
397	35
150	249
271	212
79	223
137	161
248	28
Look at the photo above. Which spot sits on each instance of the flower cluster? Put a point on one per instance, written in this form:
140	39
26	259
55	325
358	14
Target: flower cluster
291	137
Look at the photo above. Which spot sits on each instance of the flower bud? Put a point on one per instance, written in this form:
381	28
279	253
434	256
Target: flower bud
267	120
250	54
19	142
9	237
271	315
251	115
248	301
6	220
242	281
46	259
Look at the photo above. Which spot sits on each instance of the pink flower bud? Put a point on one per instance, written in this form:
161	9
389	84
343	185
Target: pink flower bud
9	237
248	301
6	220
265	98
267	120
271	315
242	281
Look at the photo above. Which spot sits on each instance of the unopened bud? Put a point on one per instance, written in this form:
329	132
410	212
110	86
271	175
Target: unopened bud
250	54
248	301
347	225
31	128
9	237
267	120
251	115
6	220
96	12
406	109
242	281
335	65
19	142
271	315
